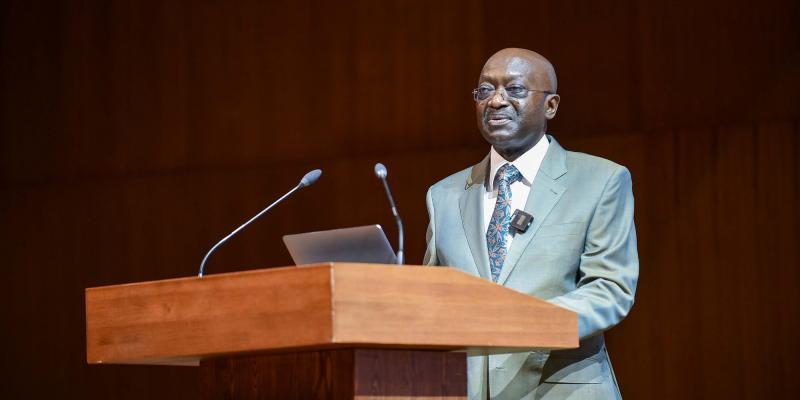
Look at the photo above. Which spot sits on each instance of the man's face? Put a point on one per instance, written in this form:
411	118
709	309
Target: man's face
509	123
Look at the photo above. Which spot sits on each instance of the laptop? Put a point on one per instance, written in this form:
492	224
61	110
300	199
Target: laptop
362	244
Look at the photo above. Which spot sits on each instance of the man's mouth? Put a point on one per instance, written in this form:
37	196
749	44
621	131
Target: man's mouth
498	120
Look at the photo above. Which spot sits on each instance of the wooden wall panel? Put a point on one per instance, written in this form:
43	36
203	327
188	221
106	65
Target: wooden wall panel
693	52
135	134
776	235
153	86
734	257
208	85
656	189
709	305
695	263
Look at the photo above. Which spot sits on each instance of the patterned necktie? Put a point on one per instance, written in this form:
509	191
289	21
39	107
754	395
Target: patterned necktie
497	232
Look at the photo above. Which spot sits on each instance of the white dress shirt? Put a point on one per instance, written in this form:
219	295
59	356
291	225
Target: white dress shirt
528	165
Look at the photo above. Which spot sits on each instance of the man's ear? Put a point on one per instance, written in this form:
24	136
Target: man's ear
551	105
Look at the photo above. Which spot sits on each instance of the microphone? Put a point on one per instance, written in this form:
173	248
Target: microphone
380	172
308	180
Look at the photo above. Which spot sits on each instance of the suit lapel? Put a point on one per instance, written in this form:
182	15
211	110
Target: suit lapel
545	193
471	207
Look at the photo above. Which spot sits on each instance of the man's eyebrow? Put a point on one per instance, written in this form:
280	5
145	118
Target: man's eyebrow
509	76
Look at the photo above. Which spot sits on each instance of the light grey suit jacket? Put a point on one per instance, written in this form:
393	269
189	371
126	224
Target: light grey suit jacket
579	253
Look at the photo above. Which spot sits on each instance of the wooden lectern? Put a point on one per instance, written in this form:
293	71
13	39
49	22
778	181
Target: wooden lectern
326	331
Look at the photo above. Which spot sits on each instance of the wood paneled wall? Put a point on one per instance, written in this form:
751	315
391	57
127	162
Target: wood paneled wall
717	307
134	134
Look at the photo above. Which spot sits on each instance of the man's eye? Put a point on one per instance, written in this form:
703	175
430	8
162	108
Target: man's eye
484	91
516	90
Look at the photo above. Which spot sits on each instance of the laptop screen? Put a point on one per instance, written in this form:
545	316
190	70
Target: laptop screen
363	244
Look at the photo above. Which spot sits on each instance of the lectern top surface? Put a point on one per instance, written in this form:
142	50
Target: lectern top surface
180	321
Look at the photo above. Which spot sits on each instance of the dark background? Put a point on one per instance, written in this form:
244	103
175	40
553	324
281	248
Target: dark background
135	134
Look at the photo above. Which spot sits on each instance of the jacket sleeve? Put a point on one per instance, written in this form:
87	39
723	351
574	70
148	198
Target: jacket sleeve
609	265
430	252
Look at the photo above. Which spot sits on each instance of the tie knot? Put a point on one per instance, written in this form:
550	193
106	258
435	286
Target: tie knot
508	174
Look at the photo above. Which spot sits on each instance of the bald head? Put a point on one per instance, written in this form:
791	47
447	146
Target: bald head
540	70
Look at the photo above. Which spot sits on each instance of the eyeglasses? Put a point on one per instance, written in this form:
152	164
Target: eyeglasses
514	91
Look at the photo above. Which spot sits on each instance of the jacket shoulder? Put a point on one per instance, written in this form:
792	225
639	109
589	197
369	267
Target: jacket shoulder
456	181
597	166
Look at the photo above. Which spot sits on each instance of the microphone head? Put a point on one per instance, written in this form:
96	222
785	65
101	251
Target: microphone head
310	177
380	171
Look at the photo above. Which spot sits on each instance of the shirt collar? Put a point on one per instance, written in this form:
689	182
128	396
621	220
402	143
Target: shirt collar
528	163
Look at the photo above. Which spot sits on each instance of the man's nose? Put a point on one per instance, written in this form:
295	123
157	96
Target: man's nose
498	100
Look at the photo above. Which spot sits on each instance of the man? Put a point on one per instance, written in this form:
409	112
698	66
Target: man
579	252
